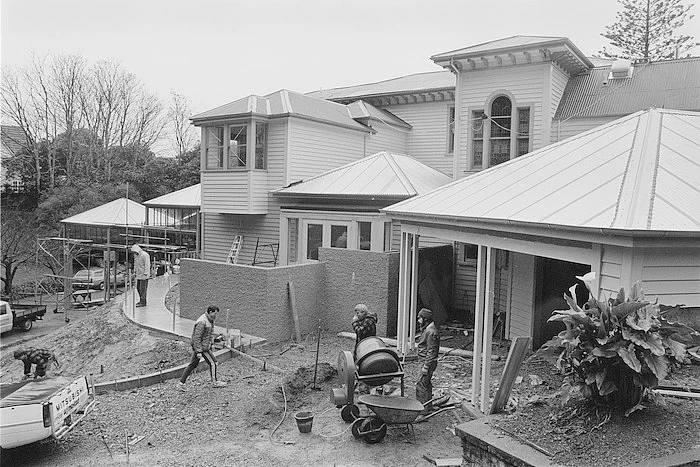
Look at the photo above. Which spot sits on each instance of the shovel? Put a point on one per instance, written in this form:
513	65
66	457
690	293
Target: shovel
318	345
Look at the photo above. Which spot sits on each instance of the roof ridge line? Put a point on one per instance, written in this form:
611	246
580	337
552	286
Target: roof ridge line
399	173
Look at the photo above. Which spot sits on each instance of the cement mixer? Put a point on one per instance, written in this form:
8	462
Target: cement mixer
374	364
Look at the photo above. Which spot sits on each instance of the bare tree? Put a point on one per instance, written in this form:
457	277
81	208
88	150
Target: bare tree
183	133
69	84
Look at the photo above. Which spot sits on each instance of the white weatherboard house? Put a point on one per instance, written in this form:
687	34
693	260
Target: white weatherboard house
490	106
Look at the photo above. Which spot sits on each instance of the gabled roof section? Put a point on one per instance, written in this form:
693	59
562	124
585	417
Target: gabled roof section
516	50
112	213
281	104
441	84
190	197
671	84
382	175
363	111
14	141
635	175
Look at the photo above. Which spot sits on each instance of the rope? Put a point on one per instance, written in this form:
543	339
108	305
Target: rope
335	435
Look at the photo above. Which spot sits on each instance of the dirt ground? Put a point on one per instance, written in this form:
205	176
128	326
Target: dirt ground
251	421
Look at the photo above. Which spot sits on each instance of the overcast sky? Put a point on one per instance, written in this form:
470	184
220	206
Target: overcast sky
216	51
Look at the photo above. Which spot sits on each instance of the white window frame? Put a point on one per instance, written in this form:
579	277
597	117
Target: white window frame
251	135
486	133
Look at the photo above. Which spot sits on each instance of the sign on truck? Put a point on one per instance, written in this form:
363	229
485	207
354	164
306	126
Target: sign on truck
32	410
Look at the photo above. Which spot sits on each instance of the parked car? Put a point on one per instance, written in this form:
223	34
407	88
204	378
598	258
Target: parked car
93	278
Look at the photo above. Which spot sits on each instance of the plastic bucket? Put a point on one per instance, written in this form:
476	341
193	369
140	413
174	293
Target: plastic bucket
305	421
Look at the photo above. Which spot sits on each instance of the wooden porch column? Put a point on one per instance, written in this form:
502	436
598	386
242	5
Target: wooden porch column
414	292
403	286
478	323
488	329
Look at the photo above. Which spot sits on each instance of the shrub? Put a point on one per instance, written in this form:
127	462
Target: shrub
615	351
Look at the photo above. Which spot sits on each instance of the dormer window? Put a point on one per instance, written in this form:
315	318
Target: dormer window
232	140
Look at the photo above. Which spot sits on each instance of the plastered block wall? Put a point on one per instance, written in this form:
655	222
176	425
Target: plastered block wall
356	276
258	298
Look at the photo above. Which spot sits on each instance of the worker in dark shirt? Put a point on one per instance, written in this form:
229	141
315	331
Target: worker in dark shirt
428	350
364	323
39	357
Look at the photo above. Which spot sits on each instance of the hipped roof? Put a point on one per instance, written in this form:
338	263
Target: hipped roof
113	213
638	174
190	197
382	175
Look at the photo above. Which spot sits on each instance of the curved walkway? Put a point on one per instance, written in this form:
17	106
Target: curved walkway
156	317
159	320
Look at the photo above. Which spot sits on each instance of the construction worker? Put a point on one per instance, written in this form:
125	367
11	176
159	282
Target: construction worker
39	357
142	271
202	339
364	323
428	350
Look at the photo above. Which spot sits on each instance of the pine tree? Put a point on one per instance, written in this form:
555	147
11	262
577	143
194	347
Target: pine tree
644	30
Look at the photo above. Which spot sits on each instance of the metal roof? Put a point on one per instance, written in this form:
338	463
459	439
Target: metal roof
364	110
673	84
639	173
112	213
282	103
419	82
383	174
499	44
186	197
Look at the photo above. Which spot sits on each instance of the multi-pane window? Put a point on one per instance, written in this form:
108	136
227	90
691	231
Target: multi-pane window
260	145
215	147
451	130
477	125
504	134
523	137
237	146
499	150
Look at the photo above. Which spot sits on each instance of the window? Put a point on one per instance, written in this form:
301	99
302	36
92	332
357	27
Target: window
523	131
477	125
451	130
504	134
314	240
215	147
387	236
499	147
365	233
260	145
339	236
237	146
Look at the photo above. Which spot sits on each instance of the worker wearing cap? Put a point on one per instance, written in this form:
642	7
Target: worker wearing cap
142	271
428	349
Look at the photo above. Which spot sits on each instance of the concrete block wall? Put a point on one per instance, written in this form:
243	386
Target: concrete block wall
258	298
357	276
259	301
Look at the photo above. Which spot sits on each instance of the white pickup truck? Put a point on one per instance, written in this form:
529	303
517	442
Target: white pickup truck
20	316
32	410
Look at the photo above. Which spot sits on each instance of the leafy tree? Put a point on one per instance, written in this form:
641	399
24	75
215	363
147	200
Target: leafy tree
646	29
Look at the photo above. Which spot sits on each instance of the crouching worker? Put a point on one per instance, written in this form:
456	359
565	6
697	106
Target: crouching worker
428	350
202	338
39	357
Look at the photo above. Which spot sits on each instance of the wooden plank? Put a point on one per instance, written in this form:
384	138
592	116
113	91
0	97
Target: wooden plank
295	316
510	372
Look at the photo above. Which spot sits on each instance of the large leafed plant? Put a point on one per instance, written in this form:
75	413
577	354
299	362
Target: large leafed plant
614	351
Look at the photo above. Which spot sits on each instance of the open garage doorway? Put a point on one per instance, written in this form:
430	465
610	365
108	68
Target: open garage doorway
552	279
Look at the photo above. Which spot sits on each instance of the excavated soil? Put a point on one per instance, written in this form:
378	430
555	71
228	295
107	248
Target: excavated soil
251	421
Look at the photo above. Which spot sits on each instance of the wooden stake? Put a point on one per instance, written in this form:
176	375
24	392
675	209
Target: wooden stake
295	316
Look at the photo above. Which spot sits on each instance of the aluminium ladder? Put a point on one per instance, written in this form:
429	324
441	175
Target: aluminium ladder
235	249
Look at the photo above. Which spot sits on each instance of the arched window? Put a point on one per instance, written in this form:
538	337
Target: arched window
499	151
499	133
